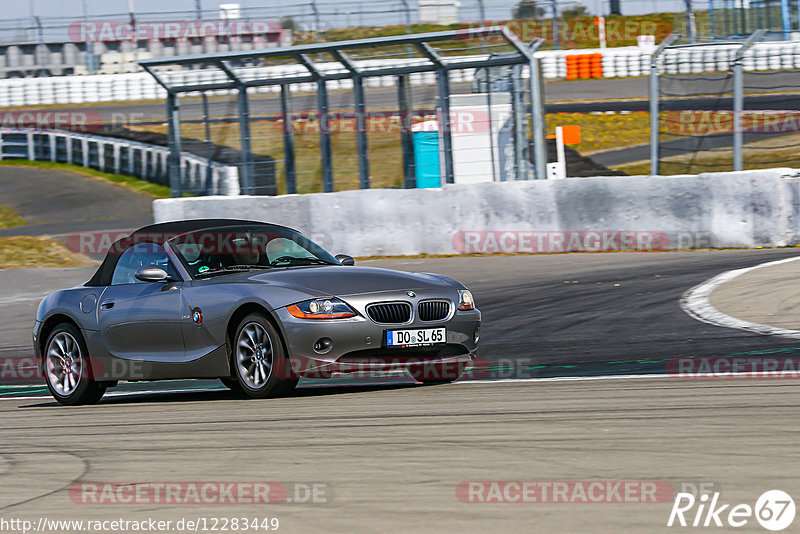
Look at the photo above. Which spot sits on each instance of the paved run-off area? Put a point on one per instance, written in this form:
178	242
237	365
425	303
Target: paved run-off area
391	459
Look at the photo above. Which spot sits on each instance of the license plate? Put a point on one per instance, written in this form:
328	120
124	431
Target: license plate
415	338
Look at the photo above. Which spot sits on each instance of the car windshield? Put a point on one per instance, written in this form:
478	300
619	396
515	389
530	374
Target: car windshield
226	250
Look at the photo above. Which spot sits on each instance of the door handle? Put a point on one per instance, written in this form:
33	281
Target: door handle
107	305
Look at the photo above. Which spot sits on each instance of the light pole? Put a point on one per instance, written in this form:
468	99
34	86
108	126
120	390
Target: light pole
89	43
691	29
316	19
483	23
408	15
198	9
554	7
32	16
408	24
134	39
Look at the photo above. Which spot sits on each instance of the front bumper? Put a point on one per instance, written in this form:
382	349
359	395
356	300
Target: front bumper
357	344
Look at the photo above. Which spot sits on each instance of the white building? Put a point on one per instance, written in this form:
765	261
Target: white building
439	11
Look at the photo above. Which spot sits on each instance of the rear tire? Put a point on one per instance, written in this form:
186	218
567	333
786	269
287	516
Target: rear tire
439	373
67	368
258	359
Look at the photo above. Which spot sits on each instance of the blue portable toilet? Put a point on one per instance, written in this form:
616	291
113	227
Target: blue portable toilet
426	159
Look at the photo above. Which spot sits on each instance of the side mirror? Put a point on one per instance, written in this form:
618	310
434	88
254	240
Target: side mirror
344	259
151	274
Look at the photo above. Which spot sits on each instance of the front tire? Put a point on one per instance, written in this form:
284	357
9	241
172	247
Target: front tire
67	368
259	360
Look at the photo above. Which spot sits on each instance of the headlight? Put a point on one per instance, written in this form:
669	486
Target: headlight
321	309
465	300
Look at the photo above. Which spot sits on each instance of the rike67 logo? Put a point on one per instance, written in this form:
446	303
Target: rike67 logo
774	510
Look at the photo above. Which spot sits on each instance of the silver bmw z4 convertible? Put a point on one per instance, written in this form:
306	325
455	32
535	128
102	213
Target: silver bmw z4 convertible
257	305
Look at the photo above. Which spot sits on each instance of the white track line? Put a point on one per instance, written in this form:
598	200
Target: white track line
564	378
711	376
696	303
123	394
23	298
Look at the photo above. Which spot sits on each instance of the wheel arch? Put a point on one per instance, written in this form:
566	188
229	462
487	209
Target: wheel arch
50	324
243	311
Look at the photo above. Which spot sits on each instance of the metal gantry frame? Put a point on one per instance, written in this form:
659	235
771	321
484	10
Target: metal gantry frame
738	93
229	64
738	97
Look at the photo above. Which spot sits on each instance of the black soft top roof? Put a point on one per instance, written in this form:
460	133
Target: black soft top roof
159	233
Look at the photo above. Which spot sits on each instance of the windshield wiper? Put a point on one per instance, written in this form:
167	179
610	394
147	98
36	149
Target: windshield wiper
232	268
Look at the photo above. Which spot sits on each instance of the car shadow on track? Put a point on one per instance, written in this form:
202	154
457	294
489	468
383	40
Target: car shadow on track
136	397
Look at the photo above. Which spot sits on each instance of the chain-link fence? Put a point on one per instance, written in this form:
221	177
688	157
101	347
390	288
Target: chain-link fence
727	106
407	111
742	17
304	17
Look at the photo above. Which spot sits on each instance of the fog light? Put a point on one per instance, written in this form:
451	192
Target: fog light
477	335
323	345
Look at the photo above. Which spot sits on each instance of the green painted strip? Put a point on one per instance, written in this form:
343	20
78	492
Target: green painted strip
23	392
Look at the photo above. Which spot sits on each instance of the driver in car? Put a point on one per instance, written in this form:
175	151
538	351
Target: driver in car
245	252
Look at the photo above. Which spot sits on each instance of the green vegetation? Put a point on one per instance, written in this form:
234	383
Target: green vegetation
598	132
9	218
576	29
768	153
26	251
604	131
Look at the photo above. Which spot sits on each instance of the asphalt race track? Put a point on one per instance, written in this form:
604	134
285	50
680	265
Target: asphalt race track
389	455
73	203
556	311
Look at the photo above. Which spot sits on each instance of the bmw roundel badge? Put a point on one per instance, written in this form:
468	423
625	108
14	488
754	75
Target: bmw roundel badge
411	294
197	316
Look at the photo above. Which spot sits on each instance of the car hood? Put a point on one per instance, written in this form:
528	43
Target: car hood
343	281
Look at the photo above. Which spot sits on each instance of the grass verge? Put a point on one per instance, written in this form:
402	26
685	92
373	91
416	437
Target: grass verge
603	131
128	182
599	131
9	218
766	154
26	251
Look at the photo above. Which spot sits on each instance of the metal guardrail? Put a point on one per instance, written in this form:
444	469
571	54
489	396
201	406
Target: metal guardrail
108	154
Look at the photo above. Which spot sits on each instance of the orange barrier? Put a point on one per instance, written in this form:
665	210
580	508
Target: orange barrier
572	66
584	66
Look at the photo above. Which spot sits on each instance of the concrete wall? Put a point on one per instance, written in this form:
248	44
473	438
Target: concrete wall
715	210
